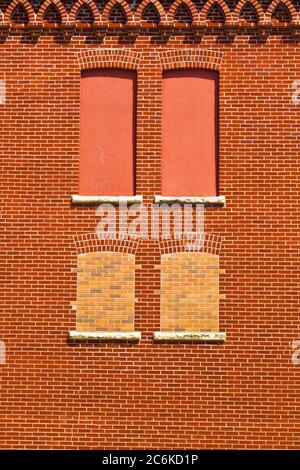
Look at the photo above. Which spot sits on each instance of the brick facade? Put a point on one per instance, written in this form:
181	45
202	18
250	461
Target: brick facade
242	393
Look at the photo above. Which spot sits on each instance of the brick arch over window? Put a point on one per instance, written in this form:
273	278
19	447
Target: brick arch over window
211	3
54	3
105	299
91	5
190	58
14	5
108	58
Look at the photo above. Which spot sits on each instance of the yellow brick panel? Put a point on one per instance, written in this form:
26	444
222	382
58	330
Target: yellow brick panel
190	292
105	292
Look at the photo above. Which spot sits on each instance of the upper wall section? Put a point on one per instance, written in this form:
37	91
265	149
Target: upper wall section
148	13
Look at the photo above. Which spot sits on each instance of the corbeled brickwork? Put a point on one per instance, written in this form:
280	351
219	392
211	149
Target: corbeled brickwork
120	14
248	11
55	10
191	15
189	292
215	12
105	292
85	11
150	11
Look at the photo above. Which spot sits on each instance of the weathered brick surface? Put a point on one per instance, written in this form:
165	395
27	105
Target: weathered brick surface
244	393
189	292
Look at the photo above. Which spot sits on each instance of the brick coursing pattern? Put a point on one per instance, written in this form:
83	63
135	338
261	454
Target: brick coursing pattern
148	396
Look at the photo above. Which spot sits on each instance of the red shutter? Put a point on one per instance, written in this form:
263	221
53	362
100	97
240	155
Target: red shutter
189	133
107	133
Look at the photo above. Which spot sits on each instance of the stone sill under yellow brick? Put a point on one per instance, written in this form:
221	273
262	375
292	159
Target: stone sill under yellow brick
206	200
132	337
188	336
77	199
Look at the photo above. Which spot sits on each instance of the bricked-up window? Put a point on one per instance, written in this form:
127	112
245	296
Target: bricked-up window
190	133
190	284
105	300
107	133
105	292
190	292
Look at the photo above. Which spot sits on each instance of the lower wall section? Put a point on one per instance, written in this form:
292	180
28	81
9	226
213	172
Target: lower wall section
105	292
190	292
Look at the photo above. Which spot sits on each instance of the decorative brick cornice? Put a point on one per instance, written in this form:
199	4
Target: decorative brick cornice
223	6
109	58
91	5
190	7
7	17
256	6
134	18
139	11
113	3
190	58
57	4
289	6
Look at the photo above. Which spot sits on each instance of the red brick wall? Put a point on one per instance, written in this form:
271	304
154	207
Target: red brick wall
241	394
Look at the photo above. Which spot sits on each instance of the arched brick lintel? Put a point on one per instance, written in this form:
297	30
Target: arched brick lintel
190	58
109	58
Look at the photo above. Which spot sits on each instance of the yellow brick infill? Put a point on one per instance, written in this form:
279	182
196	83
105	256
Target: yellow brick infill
105	292
189	292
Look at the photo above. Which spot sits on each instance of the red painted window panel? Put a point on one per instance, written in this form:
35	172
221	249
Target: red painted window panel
189	133
107	133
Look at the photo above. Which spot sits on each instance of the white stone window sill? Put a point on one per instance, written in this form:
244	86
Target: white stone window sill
131	337
206	200
187	336
95	200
